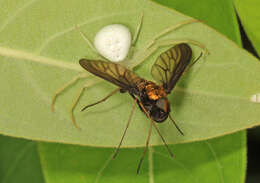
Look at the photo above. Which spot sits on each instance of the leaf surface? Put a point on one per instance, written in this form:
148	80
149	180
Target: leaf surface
212	100
248	12
215	160
19	161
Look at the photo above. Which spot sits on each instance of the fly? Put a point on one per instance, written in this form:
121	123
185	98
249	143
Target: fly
150	97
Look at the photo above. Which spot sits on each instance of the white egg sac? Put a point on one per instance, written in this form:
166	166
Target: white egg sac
113	42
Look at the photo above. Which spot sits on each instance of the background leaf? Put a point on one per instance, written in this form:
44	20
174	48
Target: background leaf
248	12
19	161
216	160
201	10
35	64
213	160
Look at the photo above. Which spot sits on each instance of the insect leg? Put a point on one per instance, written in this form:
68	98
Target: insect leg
138	29
193	62
169	29
146	147
127	125
168	42
135	37
76	100
60	90
149	134
175	124
102	100
145	53
89	42
142	106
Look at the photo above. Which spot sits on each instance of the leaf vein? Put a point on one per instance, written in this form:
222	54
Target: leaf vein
220	169
179	164
99	174
16	160
19	54
17	12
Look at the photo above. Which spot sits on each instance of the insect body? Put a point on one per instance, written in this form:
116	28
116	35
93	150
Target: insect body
151	97
168	68
154	100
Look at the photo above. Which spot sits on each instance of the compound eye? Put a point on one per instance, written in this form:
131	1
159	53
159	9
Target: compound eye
162	104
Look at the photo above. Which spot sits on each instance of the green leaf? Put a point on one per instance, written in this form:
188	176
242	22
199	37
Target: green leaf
213	99
216	160
202	10
248	12
19	161
213	160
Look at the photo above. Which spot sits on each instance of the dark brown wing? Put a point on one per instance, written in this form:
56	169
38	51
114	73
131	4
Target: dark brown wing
171	64
111	72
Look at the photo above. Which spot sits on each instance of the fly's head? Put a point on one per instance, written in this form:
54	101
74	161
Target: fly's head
160	110
160	107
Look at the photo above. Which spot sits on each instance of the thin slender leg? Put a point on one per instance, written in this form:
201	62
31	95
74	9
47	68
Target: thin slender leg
140	56
142	106
175	124
184	73
166	145
145	53
64	87
102	100
192	64
169	29
138	29
189	41
76	100
127	125
148	138
89	42
135	37
146	147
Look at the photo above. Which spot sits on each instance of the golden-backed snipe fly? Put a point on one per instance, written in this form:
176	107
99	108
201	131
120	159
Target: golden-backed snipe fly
150	97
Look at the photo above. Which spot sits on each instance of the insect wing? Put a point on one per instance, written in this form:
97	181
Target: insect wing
114	73
171	64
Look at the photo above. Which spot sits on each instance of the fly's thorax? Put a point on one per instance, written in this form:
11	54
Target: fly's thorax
141	85
155	100
140	89
154	92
